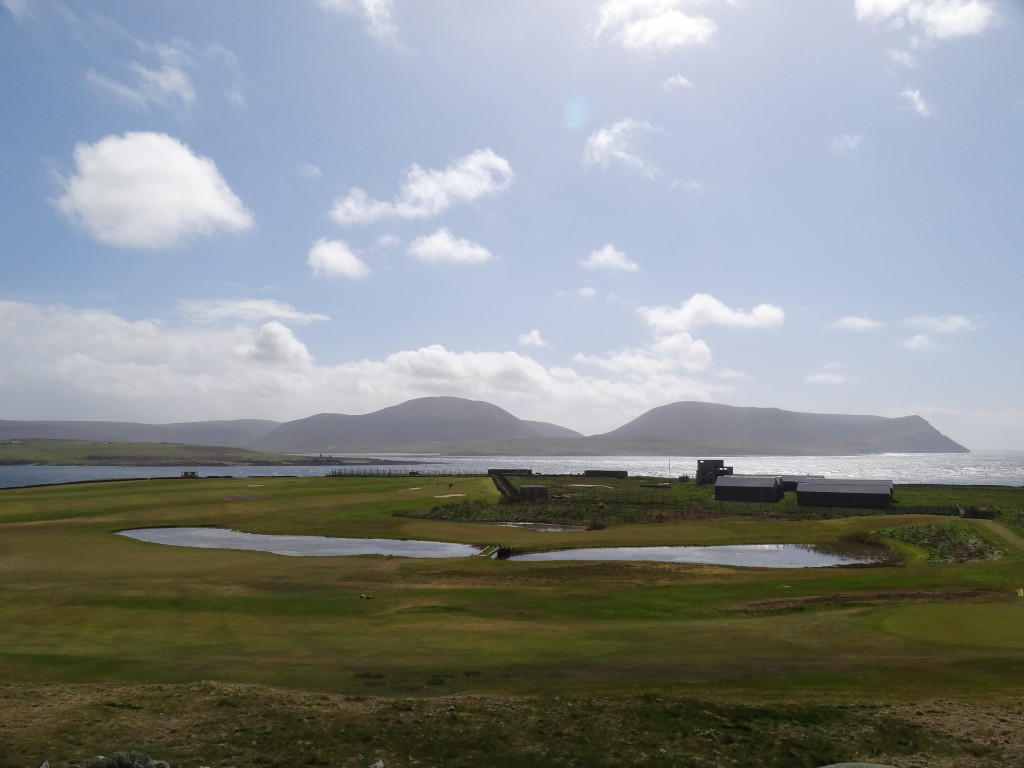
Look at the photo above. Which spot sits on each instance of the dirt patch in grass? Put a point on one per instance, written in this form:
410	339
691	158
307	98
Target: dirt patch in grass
868	598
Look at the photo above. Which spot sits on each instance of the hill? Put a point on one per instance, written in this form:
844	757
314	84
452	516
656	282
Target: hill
454	425
427	424
690	428
238	433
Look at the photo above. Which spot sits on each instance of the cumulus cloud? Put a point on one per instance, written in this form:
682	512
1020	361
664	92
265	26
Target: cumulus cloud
674	347
676	81
276	345
945	323
679	350
703	309
532	339
611	259
443	246
244	310
427	193
615	145
334	258
148	190
915	101
937	325
845	143
655	26
854	323
918	342
64	362
376	14
936	19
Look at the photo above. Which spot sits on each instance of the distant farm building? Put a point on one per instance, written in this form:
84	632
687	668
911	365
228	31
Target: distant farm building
620	474
845	494
709	470
748	488
790	482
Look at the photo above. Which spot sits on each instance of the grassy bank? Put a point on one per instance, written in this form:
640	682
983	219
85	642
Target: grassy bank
118	628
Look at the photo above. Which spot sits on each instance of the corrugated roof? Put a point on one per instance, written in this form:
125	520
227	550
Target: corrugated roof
816	486
746	481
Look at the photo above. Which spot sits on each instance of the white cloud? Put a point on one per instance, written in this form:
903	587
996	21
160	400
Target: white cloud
853	323
610	259
657	26
703	309
244	310
443	246
168	87
63	362
334	258
906	58
919	342
846	142
426	193
937	19
19	9
915	101
945	323
375	13
586	293
832	379
728	373
678	350
148	190
309	171
532	339
676	81
615	146
277	345
674	347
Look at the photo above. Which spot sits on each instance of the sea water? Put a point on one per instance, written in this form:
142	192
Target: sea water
976	468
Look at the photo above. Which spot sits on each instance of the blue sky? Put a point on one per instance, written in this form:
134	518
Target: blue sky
575	209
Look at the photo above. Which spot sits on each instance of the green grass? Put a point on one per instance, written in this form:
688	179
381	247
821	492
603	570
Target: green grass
84	610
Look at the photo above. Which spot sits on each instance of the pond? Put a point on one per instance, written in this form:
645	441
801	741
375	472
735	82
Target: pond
750	555
298	546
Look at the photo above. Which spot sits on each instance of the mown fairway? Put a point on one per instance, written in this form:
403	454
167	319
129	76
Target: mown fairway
103	623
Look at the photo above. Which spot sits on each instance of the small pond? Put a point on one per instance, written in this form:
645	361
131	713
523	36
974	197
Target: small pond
298	546
750	555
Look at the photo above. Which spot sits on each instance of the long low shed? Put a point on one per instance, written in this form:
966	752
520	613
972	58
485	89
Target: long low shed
847	495
748	488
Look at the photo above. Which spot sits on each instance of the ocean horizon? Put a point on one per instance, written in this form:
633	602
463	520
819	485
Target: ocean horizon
976	468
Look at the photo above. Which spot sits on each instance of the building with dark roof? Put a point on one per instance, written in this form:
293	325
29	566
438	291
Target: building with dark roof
845	494
748	488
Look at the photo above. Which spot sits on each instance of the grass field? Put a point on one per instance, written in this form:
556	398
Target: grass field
220	658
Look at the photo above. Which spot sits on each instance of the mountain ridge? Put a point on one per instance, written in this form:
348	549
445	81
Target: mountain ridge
454	425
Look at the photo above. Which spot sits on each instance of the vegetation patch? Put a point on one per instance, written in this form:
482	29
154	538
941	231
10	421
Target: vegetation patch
191	725
953	542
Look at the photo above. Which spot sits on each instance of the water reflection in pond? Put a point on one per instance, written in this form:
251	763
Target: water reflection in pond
751	555
298	546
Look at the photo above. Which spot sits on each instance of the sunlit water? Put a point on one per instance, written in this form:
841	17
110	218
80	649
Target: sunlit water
298	546
978	468
751	555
